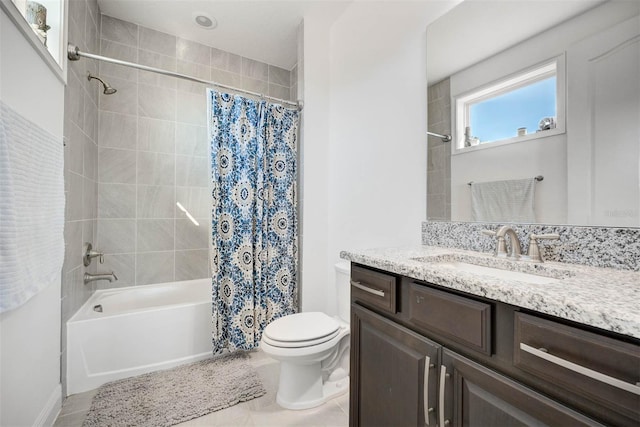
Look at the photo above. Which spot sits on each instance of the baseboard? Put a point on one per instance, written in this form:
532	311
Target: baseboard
51	409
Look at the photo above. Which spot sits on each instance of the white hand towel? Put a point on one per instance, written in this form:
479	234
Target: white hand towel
503	201
31	209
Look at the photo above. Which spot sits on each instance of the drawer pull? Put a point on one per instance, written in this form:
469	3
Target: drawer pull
614	382
359	285
443	374
425	387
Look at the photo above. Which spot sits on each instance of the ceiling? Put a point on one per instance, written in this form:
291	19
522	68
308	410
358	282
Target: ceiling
264	30
477	29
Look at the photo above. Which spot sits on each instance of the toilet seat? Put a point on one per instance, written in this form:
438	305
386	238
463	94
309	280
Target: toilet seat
299	344
301	330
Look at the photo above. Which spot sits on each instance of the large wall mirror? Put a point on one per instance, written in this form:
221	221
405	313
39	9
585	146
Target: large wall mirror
586	147
43	23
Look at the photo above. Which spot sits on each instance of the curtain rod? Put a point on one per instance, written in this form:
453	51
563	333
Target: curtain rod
74	54
444	138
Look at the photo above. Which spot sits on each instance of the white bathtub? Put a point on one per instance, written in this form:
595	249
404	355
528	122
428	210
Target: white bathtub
140	329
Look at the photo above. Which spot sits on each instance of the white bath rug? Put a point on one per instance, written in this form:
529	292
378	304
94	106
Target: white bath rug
166	398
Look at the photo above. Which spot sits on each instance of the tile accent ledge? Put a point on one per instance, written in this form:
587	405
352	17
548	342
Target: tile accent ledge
606	247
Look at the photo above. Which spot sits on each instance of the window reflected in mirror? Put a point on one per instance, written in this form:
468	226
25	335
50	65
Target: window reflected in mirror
512	109
527	109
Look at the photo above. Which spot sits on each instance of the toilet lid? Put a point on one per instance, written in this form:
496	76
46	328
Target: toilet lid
301	327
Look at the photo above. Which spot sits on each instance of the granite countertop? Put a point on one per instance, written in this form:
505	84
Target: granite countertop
601	297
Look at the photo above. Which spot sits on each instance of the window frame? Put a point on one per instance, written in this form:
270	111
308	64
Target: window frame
461	103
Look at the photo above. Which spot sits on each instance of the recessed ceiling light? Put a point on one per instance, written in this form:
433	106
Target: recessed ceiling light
204	20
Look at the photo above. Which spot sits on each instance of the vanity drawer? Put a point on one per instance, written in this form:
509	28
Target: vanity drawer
373	288
460	319
604	370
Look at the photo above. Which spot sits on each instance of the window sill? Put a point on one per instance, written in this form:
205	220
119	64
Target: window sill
55	64
516	139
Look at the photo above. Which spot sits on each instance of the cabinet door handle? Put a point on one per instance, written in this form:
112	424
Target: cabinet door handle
359	285
425	387
443	377
598	376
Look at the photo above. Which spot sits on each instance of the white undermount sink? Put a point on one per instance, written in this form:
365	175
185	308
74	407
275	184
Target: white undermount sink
495	272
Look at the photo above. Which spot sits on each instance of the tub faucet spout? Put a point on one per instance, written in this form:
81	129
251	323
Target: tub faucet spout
93	277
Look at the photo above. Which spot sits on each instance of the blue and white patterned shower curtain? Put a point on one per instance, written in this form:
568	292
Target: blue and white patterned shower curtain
254	221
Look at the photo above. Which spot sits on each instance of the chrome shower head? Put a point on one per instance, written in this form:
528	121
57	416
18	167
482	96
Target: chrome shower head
108	90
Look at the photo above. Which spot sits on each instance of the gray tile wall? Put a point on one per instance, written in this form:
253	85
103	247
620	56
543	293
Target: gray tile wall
152	151
439	154
80	163
131	156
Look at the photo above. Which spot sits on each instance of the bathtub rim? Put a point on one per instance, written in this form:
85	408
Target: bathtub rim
81	315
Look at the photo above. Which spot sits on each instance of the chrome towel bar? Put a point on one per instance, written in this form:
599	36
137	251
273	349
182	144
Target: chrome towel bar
537	178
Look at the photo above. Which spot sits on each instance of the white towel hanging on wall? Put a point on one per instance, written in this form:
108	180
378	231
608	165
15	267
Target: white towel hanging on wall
503	201
31	209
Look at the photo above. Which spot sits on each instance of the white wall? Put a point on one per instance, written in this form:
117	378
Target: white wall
314	194
546	156
364	166
30	392
603	143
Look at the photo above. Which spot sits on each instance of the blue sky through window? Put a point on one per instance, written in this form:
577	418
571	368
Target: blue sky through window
500	117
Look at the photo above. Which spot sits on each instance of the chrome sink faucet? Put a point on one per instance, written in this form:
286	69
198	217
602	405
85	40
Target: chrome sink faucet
501	248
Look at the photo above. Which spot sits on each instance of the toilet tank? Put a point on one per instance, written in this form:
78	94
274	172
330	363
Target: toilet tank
343	289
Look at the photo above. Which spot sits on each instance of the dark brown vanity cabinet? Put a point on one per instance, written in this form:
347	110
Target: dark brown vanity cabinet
475	396
459	319
603	371
437	357
374	289
392	373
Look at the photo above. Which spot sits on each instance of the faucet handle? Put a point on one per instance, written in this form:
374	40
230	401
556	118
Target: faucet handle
500	246
94	254
534	249
89	253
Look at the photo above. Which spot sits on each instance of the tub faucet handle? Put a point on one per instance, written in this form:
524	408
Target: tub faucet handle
89	254
100	255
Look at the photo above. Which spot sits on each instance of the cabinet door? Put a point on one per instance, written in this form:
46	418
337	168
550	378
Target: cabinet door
476	396
393	373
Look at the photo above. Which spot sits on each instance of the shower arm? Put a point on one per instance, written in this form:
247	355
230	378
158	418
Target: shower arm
445	138
74	54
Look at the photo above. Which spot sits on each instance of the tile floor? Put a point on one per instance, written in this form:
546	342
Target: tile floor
263	411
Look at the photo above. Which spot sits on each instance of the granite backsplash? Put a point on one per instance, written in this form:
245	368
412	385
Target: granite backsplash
606	247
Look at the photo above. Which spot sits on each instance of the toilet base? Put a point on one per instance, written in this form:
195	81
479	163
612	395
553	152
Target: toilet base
309	376
307	394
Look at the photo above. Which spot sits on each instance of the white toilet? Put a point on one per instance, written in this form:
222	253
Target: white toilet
313	350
